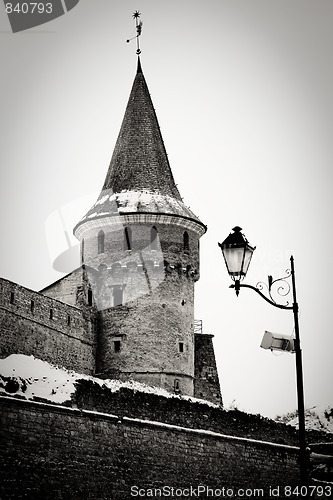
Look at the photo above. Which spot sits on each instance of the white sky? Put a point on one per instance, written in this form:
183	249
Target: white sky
243	94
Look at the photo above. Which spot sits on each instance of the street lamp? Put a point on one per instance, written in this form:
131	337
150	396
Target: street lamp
237	254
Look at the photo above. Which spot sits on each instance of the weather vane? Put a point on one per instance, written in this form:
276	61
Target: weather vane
138	25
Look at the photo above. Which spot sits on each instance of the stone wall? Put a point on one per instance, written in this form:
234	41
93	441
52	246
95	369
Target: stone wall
33	324
143	288
71	289
184	412
142	292
206	377
52	452
155	337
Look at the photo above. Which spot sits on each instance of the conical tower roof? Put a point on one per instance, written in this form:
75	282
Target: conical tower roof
139	178
139	161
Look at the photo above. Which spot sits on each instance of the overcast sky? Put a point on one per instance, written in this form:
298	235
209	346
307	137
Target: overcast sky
243	93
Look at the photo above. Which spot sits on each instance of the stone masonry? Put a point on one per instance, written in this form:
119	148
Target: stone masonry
128	311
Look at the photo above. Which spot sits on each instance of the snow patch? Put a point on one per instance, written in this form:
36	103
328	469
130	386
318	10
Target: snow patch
35	378
30	377
317	418
136	201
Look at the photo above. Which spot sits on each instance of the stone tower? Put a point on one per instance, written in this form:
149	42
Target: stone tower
140	250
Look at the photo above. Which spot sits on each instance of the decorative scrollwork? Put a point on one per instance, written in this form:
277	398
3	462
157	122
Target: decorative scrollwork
279	286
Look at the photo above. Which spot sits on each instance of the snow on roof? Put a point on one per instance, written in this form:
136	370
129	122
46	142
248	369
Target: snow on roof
31	377
138	201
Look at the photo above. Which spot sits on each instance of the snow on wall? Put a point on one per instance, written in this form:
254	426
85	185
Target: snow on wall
30	377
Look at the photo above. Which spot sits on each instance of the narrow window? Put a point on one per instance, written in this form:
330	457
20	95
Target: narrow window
82	250
68	320
176	385
51	313
127	238
153	238
100	242
117	296
32	306
11	297
181	346
117	346
186	241
89	297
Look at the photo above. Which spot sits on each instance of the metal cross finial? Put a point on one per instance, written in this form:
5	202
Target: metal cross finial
138	24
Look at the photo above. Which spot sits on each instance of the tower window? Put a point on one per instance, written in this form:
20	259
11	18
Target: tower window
117	296
100	242
116	344
11	300
128	238
186	241
32	306
181	346
82	250
176	385
68	320
89	297
153	238
51	313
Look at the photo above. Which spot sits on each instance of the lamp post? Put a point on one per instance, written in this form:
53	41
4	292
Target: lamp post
237	253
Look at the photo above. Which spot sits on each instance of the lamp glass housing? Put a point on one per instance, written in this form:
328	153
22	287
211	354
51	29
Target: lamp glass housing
237	253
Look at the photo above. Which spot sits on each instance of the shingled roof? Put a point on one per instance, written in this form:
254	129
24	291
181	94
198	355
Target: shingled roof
139	178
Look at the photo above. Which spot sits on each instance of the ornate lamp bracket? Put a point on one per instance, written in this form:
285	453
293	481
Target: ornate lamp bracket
274	287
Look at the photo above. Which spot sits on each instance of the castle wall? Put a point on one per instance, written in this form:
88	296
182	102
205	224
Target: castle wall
184	412
33	324
206	377
66	289
56	452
